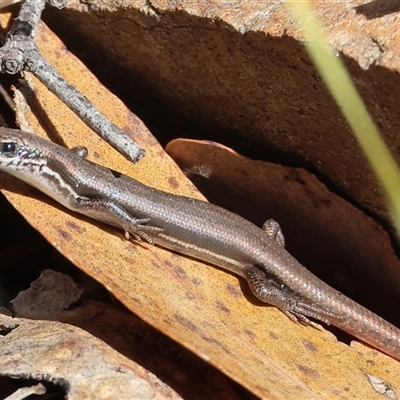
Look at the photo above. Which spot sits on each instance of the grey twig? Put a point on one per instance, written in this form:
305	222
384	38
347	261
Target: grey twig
21	53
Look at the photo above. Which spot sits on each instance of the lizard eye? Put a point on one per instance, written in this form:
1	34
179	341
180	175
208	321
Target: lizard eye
8	148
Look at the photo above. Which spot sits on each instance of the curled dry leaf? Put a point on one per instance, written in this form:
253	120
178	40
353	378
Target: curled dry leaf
205	309
68	356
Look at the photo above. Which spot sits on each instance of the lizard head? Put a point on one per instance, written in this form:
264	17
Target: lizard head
19	151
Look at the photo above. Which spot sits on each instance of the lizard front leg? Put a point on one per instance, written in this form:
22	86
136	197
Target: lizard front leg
110	212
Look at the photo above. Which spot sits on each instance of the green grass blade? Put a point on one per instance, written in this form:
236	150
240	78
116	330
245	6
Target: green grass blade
345	94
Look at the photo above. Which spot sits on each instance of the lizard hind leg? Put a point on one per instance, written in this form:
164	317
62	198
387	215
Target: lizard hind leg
294	307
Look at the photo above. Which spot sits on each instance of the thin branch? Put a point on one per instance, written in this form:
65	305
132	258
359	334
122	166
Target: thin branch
21	53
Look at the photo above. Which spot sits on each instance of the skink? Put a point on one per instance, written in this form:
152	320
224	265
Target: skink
191	227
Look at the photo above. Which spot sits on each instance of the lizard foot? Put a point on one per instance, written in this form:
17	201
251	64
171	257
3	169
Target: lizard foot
110	212
293	306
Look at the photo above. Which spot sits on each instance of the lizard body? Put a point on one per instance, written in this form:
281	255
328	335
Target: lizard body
194	228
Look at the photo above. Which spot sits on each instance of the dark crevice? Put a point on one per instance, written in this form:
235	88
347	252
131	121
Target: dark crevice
54	390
